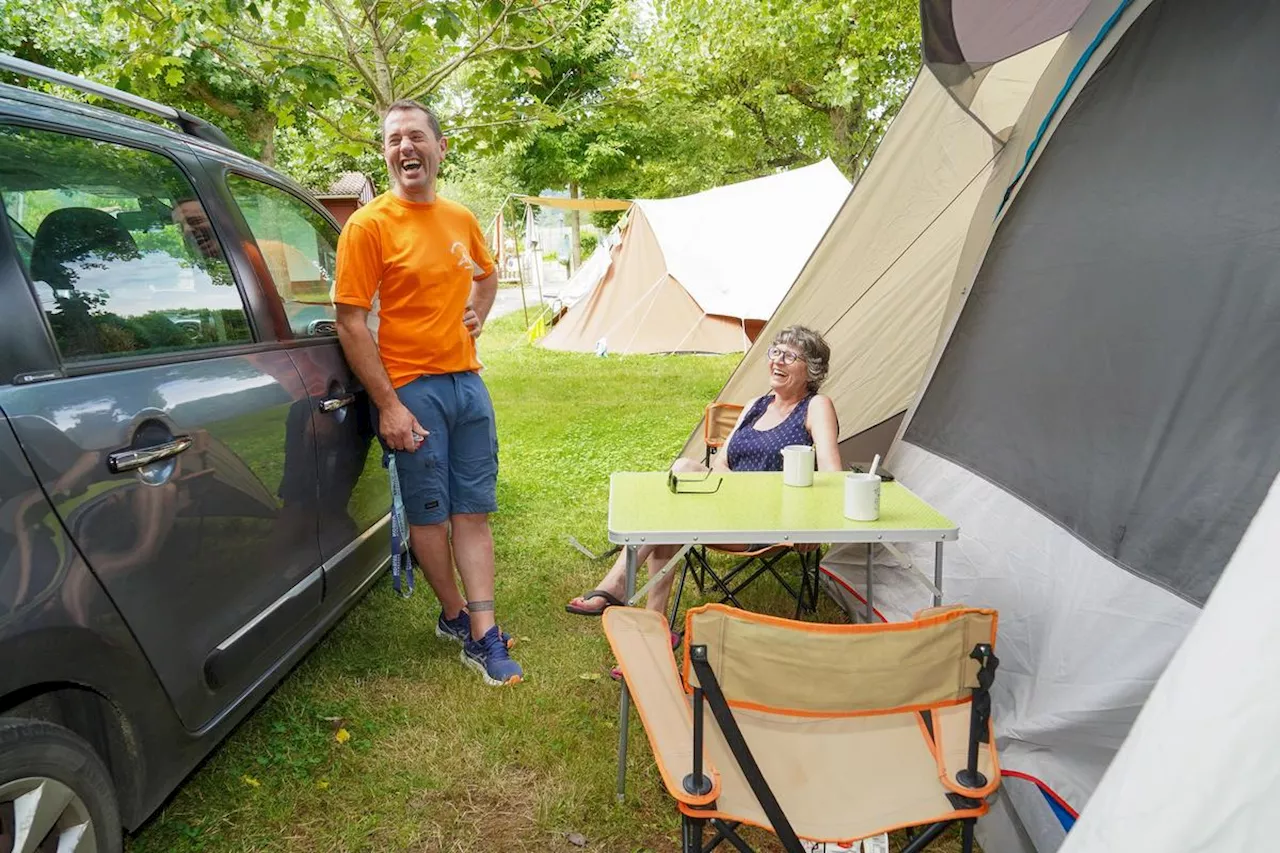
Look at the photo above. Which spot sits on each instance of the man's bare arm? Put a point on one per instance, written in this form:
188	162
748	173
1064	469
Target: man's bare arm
483	292
396	424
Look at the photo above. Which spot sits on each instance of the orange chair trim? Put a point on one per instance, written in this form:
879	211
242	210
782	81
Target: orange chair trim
949	782
958	814
673	784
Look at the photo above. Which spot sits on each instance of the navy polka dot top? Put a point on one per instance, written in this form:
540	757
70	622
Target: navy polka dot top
751	449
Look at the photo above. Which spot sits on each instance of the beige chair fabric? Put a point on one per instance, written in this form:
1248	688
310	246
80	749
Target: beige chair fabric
642	643
839	670
831	714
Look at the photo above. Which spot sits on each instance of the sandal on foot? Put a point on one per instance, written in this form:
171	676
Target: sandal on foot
610	599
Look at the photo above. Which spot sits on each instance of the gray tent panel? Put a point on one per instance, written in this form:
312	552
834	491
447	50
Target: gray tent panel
1118	363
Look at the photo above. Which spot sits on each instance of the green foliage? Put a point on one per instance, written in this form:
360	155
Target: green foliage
621	97
787	82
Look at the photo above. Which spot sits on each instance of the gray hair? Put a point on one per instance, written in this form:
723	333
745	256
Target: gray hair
812	348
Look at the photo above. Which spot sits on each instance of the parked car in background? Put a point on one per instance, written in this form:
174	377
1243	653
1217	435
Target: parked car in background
191	492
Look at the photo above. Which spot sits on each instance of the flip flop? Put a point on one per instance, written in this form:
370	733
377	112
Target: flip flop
610	599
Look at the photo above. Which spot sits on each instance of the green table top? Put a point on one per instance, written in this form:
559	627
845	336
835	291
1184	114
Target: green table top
751	508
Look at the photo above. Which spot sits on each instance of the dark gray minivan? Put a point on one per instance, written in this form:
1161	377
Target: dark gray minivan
190	489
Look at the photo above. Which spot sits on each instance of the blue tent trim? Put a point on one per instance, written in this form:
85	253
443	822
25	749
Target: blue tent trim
1062	94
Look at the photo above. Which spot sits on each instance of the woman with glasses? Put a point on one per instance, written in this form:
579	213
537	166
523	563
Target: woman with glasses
792	412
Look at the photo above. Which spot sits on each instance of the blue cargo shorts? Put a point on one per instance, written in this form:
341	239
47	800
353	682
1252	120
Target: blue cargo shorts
455	470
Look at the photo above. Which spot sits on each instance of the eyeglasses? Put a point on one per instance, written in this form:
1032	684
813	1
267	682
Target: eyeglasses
784	355
679	486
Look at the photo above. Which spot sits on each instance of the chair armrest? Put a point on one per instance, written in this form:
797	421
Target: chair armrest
642	644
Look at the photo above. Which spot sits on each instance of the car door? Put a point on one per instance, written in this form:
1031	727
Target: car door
295	247
172	436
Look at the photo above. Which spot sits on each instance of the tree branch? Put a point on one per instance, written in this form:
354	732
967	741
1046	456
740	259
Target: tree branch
433	78
353	52
804	93
264	45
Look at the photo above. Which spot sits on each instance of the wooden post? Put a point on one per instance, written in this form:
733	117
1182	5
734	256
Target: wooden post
575	232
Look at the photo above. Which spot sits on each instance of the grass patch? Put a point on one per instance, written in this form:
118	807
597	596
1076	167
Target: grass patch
382	741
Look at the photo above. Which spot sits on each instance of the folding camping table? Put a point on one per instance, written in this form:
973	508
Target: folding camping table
753	507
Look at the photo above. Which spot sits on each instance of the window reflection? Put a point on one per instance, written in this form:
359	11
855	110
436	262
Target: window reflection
121	254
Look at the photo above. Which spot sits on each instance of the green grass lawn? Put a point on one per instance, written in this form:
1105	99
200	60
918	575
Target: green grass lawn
382	741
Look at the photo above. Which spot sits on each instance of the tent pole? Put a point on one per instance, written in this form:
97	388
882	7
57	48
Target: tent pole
520	276
537	261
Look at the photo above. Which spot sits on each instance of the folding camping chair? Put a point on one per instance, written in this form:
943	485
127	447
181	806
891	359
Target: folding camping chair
754	563
717	423
824	732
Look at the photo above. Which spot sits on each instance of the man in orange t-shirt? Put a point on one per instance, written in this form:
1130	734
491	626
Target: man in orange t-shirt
426	259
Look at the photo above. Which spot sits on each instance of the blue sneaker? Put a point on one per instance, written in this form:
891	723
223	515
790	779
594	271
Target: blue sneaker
458	629
488	656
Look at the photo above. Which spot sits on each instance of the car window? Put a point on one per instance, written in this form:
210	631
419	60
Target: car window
23	240
118	256
299	248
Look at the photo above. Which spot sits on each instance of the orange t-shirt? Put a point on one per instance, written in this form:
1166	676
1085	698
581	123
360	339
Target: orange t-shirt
420	259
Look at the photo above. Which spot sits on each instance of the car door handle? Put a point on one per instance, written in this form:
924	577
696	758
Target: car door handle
130	460
334	403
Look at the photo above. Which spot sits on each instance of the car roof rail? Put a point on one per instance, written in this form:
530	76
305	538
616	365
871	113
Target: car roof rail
186	122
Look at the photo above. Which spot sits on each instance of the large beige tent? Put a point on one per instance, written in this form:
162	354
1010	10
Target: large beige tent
1073	290
703	273
880	282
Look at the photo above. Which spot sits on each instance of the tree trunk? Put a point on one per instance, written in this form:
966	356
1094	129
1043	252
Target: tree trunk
575	233
845	126
261	129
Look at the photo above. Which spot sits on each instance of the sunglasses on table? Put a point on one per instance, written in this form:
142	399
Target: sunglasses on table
678	486
784	356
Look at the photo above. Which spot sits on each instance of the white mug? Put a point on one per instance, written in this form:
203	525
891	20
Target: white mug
797	465
862	497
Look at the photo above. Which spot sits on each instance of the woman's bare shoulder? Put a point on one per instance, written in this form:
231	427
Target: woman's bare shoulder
823	403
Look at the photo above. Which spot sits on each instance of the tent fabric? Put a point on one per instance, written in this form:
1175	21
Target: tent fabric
1167	341
1073	693
1082	641
638	308
587	204
879	283
702	273
592	271
1098	406
1216	792
961	39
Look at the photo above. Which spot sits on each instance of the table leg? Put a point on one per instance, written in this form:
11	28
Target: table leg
871	608
625	712
937	574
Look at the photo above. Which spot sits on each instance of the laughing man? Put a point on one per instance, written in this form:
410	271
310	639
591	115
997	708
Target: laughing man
426	259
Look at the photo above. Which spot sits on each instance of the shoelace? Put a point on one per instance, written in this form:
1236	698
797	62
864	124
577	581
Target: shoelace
493	645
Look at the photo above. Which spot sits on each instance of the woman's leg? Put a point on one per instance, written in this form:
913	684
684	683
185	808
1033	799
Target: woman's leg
656	556
614	581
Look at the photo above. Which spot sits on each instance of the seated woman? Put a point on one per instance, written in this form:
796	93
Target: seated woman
793	412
